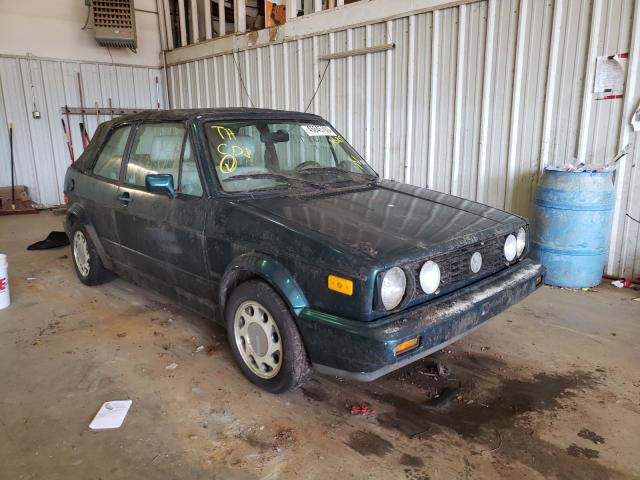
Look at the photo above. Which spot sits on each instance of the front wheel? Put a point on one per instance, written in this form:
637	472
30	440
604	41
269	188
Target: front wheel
264	338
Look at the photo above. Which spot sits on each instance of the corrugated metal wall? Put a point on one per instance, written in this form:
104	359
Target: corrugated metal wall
473	100
41	154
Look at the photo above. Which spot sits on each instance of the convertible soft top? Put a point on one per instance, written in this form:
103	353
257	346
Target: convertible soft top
193	113
82	164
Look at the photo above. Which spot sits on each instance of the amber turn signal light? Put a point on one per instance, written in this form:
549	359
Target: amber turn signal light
340	285
406	345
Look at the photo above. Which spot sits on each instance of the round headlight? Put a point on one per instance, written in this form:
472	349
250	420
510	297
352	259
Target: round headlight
510	247
394	284
429	277
521	241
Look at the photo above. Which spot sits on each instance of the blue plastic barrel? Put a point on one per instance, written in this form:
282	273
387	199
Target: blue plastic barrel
570	230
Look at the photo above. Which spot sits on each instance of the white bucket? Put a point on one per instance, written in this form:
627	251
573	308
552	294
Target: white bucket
5	300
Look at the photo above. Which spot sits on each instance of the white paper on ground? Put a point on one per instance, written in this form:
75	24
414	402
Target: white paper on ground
111	415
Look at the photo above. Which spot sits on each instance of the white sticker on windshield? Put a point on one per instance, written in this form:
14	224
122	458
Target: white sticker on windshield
319	130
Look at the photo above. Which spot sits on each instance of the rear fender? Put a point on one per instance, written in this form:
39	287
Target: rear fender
255	264
77	213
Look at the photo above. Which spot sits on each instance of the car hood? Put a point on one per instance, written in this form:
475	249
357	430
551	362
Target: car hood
390	221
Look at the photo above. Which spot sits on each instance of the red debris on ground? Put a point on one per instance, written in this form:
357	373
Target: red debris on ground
363	409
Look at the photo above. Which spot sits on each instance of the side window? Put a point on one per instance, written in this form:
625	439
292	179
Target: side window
190	183
110	158
156	149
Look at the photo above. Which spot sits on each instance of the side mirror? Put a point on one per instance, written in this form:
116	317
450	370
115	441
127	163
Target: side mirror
160	183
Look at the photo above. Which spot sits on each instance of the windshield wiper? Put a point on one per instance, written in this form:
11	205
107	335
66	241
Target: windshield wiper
246	176
338	170
283	178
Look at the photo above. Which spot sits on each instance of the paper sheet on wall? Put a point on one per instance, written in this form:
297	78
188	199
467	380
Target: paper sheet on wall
609	75
635	120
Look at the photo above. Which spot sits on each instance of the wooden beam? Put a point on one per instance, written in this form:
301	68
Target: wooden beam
167	24
207	20
221	20
292	8
195	33
241	16
183	23
357	51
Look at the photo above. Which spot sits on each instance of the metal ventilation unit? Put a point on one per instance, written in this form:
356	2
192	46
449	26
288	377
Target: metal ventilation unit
114	23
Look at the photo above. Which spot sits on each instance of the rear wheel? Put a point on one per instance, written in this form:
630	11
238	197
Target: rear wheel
264	338
86	261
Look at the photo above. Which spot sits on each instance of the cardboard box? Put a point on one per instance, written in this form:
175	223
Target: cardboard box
23	200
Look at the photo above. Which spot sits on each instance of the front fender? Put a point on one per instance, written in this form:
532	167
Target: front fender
77	213
268	269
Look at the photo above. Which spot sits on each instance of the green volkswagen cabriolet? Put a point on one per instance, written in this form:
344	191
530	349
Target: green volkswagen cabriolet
270	223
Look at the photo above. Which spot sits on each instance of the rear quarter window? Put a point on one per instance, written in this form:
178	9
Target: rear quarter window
110	158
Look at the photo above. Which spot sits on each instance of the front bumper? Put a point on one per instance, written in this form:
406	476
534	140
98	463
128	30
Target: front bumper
365	350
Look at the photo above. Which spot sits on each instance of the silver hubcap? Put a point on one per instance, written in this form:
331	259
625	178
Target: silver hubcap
81	253
258	339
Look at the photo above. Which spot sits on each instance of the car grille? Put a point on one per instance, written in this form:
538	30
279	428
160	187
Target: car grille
455	266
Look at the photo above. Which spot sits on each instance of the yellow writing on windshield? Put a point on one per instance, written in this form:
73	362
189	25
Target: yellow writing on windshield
357	162
336	140
229	160
224	132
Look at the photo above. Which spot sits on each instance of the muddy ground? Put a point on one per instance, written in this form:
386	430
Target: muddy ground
549	389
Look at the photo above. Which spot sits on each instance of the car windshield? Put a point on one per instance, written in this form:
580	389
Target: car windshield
253	155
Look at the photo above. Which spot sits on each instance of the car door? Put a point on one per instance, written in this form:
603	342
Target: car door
189	212
161	236
100	190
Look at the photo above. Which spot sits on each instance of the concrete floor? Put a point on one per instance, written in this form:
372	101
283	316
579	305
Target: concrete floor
549	389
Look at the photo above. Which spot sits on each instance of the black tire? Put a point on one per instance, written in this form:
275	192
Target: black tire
295	367
97	274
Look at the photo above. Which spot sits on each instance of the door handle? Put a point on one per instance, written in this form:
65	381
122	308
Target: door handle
125	199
